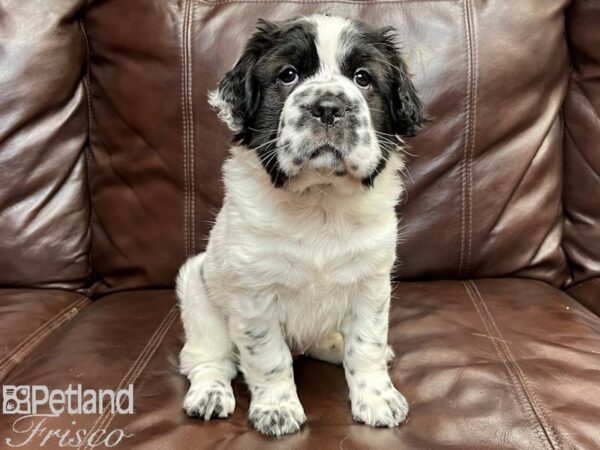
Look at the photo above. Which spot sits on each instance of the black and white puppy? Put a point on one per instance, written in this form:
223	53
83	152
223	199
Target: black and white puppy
300	256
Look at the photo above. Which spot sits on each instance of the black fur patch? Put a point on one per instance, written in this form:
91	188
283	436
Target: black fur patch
254	88
393	101
394	95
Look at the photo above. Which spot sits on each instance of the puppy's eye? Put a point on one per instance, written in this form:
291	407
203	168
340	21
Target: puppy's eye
288	76
362	78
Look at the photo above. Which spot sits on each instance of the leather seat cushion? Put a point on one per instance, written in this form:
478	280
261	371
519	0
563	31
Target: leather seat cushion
28	317
485	364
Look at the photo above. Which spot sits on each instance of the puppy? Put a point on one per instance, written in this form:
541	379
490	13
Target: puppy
305	242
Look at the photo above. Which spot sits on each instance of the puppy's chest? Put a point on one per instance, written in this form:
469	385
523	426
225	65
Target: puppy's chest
304	252
314	270
318	260
318	277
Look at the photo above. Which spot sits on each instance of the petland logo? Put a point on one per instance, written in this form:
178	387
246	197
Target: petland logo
36	404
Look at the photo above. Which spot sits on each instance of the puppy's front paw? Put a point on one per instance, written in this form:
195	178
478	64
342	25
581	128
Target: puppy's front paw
379	407
209	400
277	420
276	412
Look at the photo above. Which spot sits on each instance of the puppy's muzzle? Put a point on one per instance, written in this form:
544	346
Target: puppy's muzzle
328	110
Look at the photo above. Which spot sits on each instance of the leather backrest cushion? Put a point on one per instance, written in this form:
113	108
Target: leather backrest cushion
582	143
484	191
44	207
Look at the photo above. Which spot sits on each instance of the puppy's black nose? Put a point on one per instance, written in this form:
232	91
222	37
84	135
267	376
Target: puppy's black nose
328	109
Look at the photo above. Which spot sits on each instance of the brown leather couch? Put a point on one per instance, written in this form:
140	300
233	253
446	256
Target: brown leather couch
109	178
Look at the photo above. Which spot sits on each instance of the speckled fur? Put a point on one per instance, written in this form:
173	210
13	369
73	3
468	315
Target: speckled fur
299	261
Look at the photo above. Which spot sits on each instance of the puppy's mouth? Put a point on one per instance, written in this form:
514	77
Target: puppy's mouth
327	159
326	149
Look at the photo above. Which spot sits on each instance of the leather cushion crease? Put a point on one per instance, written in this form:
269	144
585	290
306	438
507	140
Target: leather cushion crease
110	177
477	371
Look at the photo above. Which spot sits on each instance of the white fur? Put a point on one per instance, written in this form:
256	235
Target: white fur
329	32
302	265
224	111
283	271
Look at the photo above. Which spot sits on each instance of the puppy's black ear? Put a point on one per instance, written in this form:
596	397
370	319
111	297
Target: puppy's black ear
408	112
237	98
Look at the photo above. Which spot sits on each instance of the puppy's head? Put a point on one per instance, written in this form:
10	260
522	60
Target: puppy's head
320	94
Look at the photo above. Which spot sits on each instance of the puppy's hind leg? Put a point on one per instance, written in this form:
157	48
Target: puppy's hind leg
207	358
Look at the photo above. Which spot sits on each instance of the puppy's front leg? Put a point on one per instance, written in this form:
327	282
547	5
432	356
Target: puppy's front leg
375	401
266	362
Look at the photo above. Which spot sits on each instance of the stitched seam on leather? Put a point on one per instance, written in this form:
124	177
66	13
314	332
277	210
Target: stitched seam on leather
466	163
500	346
184	119
522	399
56	322
137	367
40	330
475	76
539	409
86	85
188	131
135	373
464	159
27	345
191	132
